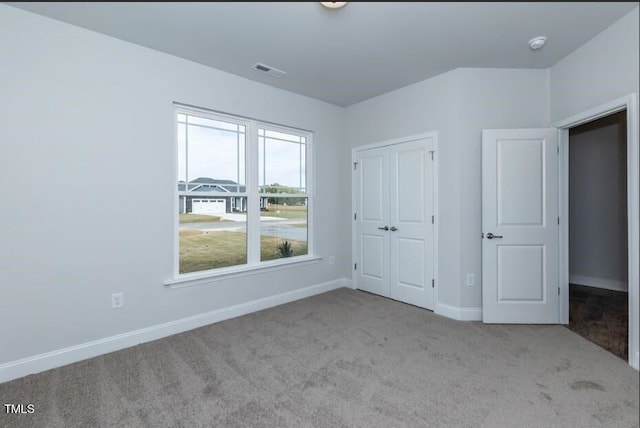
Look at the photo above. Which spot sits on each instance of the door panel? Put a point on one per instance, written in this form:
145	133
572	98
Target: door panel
410	173
520	206
373	200
521	274
411	252
373	197
372	251
411	208
520	182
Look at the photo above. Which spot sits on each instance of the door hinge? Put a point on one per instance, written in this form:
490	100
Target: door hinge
558	291
433	283
558	149
433	219
354	216
355	166
431	151
355	266
558	220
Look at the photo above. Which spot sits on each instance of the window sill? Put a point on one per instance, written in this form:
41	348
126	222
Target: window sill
186	280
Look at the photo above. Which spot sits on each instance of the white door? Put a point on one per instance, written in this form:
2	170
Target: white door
410	223
372	221
394	229
520	226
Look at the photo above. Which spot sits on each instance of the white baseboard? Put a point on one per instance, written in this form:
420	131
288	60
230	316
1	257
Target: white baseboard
636	364
460	314
592	281
348	283
49	360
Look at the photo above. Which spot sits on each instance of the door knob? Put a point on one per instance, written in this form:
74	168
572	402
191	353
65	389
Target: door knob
491	236
384	228
393	228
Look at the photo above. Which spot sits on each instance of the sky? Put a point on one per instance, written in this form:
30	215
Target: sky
220	154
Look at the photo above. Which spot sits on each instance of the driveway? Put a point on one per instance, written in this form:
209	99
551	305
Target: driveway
269	226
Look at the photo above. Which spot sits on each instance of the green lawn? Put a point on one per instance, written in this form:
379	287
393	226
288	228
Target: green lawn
197	218
285	211
209	250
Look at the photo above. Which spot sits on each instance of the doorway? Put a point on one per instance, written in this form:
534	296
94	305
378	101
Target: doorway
598	232
629	105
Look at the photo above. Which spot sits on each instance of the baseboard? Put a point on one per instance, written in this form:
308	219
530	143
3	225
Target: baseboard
348	283
592	281
460	314
636	364
49	360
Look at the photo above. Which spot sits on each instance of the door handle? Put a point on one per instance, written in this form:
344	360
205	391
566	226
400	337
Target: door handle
384	228
393	228
491	236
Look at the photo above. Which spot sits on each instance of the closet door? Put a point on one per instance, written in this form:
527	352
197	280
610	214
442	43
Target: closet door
410	223
393	239
372	225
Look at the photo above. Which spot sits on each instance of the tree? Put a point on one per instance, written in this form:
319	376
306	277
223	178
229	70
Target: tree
279	188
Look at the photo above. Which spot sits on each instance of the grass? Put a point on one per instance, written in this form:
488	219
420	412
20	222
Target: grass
285	211
209	250
197	218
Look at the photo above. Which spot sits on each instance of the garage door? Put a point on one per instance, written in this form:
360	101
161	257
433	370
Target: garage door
208	206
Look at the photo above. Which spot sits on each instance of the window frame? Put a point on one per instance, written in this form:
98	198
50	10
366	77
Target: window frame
252	194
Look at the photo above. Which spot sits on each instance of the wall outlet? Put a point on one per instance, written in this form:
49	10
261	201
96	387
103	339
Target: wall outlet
471	280
332	260
117	300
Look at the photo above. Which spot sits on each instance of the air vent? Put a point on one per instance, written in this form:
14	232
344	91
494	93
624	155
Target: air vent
273	72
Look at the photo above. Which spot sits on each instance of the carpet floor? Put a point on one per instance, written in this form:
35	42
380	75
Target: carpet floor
600	316
344	358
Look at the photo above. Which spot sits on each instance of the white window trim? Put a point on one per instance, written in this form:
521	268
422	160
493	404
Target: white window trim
253	195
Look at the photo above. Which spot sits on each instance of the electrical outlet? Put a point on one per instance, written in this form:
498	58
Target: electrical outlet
332	260
117	300
471	280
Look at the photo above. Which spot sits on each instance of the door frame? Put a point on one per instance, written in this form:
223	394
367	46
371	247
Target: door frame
354	203
629	103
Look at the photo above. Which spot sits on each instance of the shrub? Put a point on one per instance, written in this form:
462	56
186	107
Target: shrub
285	249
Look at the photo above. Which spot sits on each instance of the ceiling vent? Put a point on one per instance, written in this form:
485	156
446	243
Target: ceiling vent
273	72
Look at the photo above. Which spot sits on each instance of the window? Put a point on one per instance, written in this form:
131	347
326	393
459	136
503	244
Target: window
282	180
242	192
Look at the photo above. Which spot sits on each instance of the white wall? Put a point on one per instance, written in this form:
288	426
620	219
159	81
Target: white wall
598	203
458	105
602	70
86	158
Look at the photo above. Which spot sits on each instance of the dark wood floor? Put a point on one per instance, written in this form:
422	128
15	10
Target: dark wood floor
600	316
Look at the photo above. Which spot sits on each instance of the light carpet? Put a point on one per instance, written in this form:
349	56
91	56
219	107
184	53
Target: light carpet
345	358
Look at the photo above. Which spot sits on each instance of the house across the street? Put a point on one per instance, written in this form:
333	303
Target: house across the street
218	197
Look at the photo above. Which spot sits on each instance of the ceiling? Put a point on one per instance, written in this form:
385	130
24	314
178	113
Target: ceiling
344	56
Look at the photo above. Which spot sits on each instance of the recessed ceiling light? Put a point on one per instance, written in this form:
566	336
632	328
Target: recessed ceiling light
537	42
333	4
